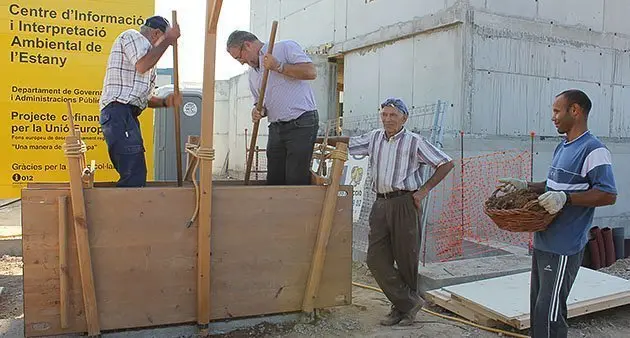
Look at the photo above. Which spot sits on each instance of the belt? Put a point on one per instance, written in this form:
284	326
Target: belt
394	194
293	120
135	109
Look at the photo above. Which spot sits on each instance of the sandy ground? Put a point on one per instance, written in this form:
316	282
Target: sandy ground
362	317
357	320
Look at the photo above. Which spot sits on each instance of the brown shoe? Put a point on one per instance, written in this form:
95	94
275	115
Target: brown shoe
392	318
409	317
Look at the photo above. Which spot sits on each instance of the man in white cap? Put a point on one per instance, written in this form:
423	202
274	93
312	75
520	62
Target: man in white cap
127	90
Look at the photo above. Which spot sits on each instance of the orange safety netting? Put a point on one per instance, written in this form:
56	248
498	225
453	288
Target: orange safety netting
457	227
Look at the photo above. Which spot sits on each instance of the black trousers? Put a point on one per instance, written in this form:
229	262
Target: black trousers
290	150
394	236
551	280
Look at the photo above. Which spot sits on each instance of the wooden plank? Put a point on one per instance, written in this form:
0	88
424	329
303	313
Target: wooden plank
206	156
507	298
176	115
444	300
81	235
63	260
58	185
323	233
145	259
582	308
481	310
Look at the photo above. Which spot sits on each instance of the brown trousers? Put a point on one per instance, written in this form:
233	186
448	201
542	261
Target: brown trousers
394	236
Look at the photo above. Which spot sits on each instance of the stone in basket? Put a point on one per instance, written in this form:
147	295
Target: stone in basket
518	211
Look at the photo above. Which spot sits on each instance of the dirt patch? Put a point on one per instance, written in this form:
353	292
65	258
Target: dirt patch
361	318
621	268
11	279
513	200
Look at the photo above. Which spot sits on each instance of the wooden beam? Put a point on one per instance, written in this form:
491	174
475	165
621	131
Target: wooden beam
332	140
74	153
339	156
259	105
206	156
176	115
63	260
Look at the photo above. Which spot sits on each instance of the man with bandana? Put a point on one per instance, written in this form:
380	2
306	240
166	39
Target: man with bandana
397	158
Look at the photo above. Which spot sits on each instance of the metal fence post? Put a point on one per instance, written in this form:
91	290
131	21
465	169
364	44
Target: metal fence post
436	138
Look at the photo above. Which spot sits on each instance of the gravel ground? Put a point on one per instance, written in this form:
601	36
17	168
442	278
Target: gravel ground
620	268
360	319
11	280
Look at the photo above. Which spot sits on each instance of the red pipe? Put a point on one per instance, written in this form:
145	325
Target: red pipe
609	246
593	249
597	233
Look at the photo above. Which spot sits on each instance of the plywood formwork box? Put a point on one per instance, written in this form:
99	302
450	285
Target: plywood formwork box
99	258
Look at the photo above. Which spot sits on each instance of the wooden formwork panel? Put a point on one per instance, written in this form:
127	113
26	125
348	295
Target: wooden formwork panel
144	257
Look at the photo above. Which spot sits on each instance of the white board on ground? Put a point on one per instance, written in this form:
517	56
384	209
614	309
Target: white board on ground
508	296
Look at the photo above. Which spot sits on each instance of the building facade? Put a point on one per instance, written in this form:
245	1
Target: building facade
496	63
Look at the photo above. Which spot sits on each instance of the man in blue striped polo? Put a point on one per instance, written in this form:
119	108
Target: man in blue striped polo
397	157
289	104
579	180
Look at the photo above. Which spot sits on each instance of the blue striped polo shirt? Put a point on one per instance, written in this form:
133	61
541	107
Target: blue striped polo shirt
579	165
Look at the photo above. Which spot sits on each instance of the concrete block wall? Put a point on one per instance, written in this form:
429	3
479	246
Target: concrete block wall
517	66
420	69
498	63
335	21
591	15
241	103
523	53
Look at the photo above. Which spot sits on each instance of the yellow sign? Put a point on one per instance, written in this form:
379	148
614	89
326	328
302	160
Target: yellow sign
57	50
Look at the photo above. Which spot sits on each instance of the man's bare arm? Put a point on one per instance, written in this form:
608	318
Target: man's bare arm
169	101
537	187
438	176
157	102
592	198
300	71
151	58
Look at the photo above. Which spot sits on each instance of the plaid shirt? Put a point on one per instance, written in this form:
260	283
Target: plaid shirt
396	163
123	83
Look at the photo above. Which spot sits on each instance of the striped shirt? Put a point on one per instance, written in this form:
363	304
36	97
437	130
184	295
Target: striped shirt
286	98
582	164
122	82
396	163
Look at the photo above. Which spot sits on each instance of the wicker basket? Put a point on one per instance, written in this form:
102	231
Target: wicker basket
520	220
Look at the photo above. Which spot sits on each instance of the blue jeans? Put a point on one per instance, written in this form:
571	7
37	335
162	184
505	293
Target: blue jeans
290	150
121	130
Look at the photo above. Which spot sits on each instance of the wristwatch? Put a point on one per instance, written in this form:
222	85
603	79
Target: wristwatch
164	102
280	67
